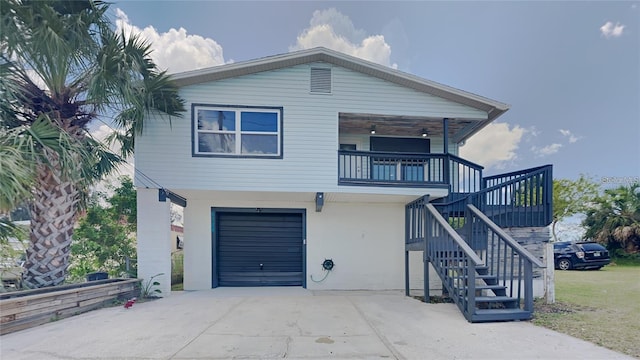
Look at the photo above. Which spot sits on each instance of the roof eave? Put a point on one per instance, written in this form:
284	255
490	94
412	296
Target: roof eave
493	108
480	125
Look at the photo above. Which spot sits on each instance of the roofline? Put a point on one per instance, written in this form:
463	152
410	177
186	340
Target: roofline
493	108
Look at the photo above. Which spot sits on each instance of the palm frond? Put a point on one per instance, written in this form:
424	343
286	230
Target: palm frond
16	176
102	162
10	230
126	140
143	90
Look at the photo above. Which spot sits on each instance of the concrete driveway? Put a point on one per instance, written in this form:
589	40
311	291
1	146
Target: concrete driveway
263	323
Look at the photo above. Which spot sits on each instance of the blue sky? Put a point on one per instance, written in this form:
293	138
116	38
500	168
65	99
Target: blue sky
569	70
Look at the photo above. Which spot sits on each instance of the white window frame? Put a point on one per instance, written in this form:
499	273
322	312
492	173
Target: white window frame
238	132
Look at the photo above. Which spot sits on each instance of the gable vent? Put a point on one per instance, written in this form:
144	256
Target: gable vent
321	80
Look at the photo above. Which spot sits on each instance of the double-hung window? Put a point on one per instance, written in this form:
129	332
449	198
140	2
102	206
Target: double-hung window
232	131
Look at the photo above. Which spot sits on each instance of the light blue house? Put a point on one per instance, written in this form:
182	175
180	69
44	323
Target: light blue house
287	161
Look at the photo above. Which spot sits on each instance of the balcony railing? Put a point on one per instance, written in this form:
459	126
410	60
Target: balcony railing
517	199
408	170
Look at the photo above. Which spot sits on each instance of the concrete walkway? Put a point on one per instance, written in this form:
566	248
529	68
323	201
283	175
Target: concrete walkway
264	323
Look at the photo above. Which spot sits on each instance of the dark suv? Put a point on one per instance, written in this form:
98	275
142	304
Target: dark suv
580	255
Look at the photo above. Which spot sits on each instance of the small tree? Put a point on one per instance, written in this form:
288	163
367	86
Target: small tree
615	219
571	197
63	67
104	238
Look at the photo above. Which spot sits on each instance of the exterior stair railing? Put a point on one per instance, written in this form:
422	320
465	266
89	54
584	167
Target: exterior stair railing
454	261
486	272
516	199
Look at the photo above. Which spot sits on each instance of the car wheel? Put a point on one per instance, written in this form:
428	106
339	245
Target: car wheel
564	264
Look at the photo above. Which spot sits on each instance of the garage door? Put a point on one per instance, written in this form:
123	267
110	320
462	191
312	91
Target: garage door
260	249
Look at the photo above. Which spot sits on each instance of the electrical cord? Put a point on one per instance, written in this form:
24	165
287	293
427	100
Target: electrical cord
321	280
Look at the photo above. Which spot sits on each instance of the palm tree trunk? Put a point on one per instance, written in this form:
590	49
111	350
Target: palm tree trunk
53	215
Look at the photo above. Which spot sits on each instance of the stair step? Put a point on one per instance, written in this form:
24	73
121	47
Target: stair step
494	288
491	287
482	276
495	299
484	315
488	278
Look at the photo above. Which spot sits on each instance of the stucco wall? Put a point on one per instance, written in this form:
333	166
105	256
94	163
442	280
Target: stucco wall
365	240
154	240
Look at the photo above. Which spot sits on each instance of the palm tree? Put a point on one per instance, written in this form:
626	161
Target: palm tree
62	68
615	219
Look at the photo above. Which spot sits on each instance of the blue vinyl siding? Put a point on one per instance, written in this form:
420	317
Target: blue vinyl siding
309	137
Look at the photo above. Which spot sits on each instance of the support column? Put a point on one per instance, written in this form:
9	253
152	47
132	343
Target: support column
406	273
427	295
549	274
425	254
199	245
445	140
154	239
407	236
445	135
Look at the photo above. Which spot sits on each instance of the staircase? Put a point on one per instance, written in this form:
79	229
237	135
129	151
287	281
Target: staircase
483	270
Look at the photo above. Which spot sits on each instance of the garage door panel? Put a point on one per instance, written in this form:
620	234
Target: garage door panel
248	240
249	235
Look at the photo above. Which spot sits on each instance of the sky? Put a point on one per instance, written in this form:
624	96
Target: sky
569	70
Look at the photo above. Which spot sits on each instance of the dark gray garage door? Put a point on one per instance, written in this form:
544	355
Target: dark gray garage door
260	249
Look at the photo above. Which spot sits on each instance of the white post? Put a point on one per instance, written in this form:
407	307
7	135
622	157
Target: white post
549	274
198	259
154	240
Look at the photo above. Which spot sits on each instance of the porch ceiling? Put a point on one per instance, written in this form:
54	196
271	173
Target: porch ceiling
360	124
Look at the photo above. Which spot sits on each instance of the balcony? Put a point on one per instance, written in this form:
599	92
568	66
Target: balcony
374	168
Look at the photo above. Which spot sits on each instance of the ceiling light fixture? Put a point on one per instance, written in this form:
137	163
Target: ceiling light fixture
373	129
424	133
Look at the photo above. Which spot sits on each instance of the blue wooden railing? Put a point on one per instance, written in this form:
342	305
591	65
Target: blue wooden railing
504	257
408	170
452	258
516	199
462	238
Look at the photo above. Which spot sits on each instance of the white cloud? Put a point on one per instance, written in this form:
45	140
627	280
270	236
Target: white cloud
546	150
101	132
568	134
175	50
609	30
532	132
494	146
331	29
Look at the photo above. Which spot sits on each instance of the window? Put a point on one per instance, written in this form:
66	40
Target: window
229	131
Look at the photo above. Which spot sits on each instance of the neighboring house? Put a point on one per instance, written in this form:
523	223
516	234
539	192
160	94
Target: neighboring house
177	236
287	161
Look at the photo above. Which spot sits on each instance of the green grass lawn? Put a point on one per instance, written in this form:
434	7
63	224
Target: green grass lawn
602	307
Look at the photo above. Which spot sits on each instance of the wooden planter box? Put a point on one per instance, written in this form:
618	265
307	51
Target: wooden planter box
24	309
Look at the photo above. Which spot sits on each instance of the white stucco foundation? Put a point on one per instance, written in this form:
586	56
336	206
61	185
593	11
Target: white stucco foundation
365	241
154	239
